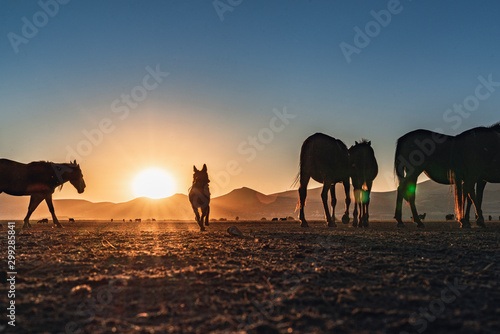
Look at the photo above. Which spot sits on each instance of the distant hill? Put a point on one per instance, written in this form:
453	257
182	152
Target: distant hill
434	199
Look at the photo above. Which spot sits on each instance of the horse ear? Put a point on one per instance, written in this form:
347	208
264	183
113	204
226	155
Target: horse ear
194	168
204	169
355	143
370	142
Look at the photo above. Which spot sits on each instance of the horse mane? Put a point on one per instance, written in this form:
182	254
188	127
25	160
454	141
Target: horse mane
495	126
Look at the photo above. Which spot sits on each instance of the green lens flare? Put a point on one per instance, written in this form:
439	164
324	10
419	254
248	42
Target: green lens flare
411	190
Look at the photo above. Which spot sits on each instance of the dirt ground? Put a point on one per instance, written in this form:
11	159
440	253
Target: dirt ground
167	277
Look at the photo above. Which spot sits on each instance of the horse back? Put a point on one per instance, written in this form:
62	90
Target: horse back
324	158
25	179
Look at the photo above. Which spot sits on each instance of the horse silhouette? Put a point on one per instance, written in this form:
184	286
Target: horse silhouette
39	180
326	160
478	162
199	196
434	154
364	169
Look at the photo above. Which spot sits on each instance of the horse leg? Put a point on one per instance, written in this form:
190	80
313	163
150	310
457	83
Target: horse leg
48	200
469	192
198	218
411	199
207	215
355	212
347	191
302	200
466	218
399	203
35	200
366	202
324	199
479	201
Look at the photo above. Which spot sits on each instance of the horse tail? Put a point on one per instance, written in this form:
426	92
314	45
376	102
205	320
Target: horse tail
459	200
296	180
399	170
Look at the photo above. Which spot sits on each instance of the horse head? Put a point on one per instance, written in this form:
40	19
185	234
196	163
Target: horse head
200	177
70	172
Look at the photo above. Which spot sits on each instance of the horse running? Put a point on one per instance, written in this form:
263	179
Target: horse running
326	160
199	196
364	169
39	180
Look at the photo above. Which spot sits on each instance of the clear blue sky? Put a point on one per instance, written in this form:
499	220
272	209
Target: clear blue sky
225	78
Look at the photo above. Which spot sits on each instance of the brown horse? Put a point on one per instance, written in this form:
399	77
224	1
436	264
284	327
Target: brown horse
364	169
199	196
39	180
437	156
326	160
478	162
421	151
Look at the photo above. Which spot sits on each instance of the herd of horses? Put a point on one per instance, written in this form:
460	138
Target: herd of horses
467	161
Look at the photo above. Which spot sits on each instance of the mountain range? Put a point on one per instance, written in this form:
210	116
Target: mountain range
434	199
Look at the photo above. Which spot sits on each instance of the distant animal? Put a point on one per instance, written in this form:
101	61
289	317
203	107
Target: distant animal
111	219
274	219
71	220
283	219
326	160
43	221
39	180
450	216
199	196
138	220
477	160
429	152
364	169
490	218
153	220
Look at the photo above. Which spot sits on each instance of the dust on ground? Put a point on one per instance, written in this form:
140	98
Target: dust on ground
167	277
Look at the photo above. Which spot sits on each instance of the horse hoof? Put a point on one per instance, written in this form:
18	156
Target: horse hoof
332	224
354	224
420	225
345	219
206	224
468	226
304	224
401	225
481	224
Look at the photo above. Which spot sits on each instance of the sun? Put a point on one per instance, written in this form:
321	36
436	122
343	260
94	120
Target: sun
153	183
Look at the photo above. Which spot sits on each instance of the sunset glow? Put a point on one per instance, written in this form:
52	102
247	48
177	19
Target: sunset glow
153	183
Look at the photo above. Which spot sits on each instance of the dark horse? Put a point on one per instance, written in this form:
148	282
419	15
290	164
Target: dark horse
478	162
38	179
326	160
437	156
199	196
364	169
